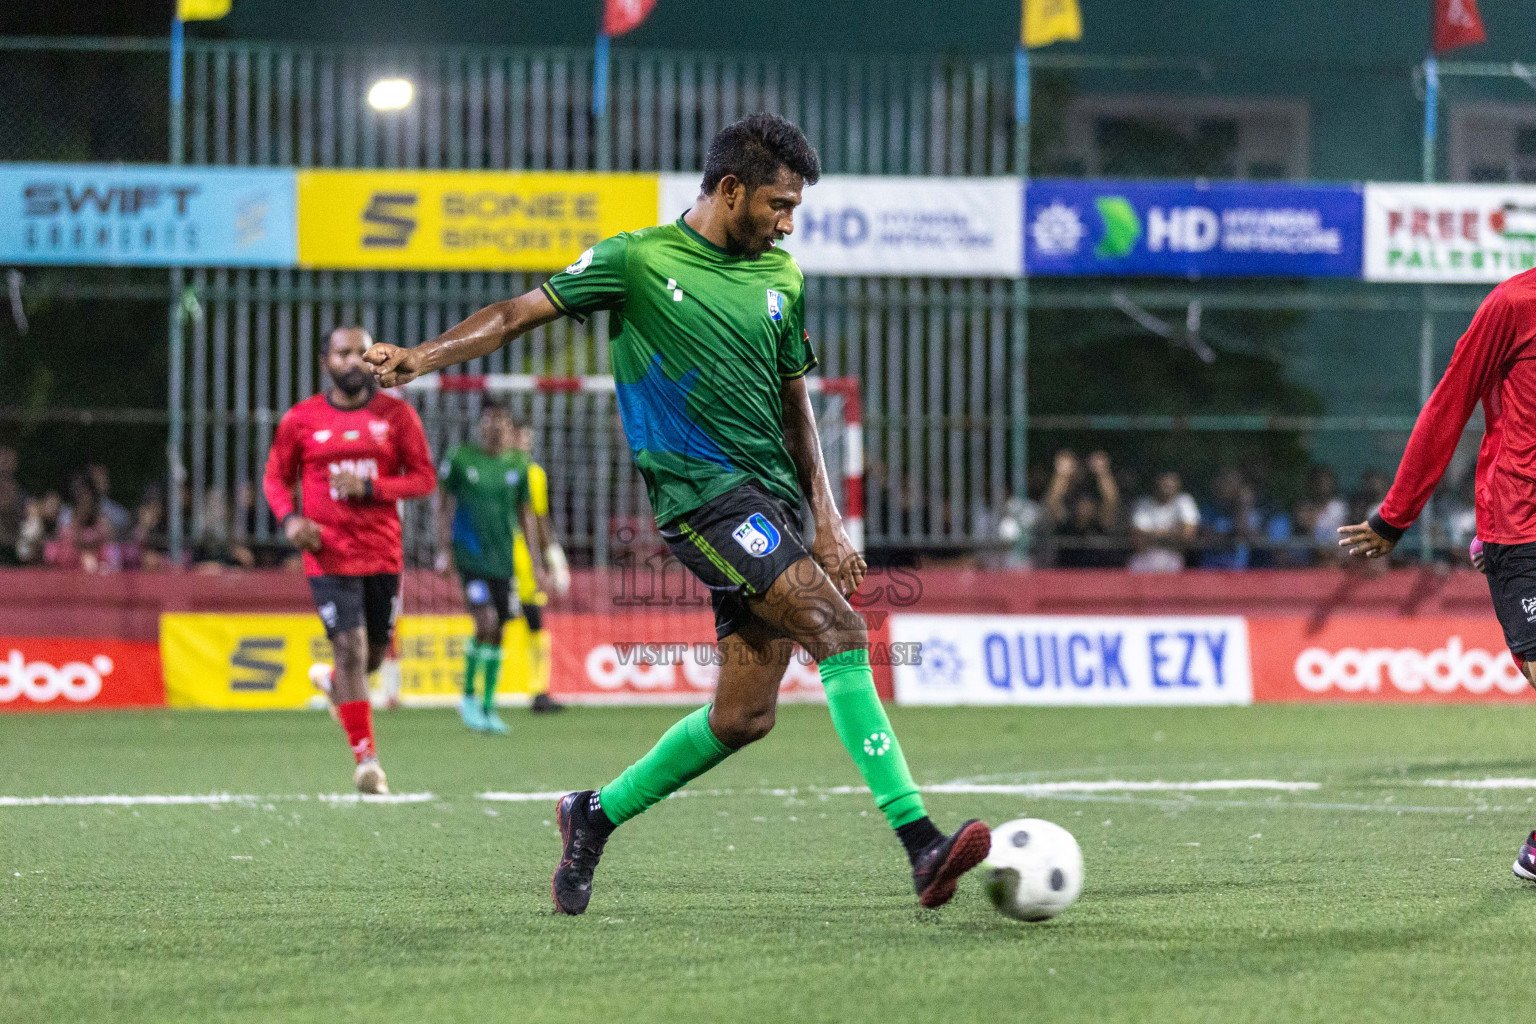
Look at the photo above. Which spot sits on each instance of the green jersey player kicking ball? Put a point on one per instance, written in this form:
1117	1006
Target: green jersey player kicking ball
710	370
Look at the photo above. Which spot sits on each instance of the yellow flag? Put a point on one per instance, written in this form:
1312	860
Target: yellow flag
1046	21
202	10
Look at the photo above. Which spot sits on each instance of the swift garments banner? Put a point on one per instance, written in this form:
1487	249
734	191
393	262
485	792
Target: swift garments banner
102	215
1063	659
854	224
1449	233
68	674
464	220
1402	660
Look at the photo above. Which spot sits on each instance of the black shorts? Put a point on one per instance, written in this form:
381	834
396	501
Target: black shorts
1512	582
737	544
346	602
496	591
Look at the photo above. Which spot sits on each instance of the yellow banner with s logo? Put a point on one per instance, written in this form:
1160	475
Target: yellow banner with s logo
465	220
253	662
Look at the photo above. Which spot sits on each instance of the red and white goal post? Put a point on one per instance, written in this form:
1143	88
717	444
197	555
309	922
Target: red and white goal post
594	488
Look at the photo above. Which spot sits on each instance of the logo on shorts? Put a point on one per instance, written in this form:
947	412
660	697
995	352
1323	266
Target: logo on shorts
775	305
1528	604
477	592
328	614
757	536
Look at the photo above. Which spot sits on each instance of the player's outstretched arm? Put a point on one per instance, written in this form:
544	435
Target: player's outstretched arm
479	335
831	548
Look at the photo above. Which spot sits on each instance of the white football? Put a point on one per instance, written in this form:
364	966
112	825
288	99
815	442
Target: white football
1035	869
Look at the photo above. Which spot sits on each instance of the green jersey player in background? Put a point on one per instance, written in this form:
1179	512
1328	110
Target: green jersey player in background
483	504
710	371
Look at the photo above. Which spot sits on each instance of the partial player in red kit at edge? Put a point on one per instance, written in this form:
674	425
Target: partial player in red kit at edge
1494	363
354	453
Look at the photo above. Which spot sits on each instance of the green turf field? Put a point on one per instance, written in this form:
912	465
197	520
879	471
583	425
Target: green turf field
1375	896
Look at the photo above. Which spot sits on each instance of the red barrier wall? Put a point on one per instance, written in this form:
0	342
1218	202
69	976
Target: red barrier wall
127	606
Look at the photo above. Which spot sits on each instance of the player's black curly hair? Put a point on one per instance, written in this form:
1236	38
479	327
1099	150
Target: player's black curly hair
754	148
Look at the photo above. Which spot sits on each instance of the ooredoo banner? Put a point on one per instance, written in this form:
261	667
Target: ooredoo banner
1449	233
1051	659
100	214
662	658
1417	660
68	674
882	224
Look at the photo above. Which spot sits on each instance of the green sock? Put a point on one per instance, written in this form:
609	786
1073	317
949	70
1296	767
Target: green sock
862	726
490	657
471	665
685	751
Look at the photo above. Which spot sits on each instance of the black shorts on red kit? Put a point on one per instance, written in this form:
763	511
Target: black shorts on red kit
346	602
1511	572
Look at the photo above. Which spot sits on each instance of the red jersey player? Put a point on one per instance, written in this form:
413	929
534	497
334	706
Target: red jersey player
1494	363
354	453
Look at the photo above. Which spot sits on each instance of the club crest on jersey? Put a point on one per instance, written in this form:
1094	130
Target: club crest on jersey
352	435
379	429
512	477
757	536
775	305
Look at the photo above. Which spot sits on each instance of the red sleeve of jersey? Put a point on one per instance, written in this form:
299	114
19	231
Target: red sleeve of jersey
417	476
282	468
1476	366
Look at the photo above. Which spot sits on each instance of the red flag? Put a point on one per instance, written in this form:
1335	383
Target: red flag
1457	23
620	16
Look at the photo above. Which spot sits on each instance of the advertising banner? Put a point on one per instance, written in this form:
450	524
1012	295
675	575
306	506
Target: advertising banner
128	215
262	661
661	658
464	220
1059	659
1191	230
67	674
854	224
1417	660
1449	233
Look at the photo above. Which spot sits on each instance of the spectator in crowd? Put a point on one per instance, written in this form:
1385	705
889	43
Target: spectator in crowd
39	523
217	545
146	545
1163	524
1368	496
1236	527
86	539
1007	526
1082	507
12	507
1332	509
114	513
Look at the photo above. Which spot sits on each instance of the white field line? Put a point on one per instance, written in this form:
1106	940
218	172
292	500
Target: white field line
1481	783
1119	786
204	799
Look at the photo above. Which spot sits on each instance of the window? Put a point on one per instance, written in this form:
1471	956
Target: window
1493	142
1175	137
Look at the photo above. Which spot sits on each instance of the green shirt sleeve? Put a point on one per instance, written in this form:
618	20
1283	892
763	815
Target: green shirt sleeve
595	281
795	356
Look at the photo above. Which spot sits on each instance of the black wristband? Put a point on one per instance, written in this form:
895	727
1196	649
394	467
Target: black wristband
1384	528
368	489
